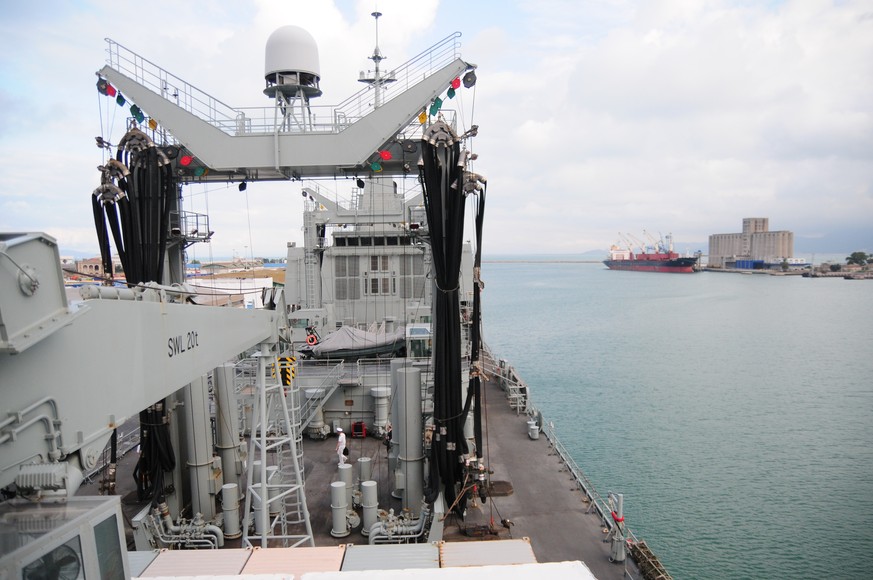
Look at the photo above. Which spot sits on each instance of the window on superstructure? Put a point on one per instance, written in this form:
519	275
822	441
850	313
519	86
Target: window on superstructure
412	277
378	263
381	285
346	278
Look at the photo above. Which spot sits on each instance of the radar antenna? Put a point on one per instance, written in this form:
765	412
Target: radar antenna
377	80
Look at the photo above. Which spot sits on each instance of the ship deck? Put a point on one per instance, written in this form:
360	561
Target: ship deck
532	489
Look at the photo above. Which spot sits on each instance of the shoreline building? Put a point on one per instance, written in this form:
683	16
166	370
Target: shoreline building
755	247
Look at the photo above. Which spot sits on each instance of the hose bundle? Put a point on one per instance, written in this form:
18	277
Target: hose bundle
441	172
156	453
137	209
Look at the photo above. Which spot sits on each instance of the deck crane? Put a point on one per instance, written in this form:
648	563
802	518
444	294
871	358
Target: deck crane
639	243
657	244
626	242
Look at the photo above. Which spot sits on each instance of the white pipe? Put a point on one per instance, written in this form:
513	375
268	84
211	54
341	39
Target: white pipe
13	417
167	521
338	507
195	533
230	509
381	398
396	420
273	481
316	426
364	468
257	493
54	436
411	449
216	531
227	427
345	476
199	446
370	505
91	292
383	532
49	427
256	483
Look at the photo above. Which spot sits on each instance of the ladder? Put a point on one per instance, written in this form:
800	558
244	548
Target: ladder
276	497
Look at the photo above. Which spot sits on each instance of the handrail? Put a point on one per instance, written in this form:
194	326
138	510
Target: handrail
309	407
259	120
167	84
600	505
406	75
124	444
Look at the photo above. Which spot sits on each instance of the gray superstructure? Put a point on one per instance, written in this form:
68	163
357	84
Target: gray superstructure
364	260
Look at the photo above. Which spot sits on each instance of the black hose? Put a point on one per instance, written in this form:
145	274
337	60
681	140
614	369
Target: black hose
140	219
474	387
156	453
442	179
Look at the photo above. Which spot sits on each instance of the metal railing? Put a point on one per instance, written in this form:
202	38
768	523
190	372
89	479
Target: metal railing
258	120
518	394
509	380
329	383
125	443
189	226
407	75
169	86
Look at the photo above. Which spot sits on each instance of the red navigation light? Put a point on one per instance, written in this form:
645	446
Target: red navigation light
186	160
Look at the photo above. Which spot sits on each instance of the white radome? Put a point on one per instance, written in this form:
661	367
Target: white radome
291	49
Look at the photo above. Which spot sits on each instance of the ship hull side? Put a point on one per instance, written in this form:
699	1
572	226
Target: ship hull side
680	265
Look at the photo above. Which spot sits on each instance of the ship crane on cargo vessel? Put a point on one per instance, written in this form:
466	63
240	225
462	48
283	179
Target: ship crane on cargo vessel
657	245
636	242
659	257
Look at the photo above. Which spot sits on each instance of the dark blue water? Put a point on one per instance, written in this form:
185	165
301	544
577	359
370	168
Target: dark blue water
735	412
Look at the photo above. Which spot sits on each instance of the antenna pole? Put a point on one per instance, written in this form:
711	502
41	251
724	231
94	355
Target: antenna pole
377	58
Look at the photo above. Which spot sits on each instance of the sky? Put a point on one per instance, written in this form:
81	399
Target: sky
597	117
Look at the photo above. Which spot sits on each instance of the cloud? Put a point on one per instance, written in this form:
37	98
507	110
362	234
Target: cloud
595	117
691	116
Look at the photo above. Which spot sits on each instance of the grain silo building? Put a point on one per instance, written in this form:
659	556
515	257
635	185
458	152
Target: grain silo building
755	244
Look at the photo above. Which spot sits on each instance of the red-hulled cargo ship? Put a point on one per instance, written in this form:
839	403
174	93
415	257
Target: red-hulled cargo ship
659	257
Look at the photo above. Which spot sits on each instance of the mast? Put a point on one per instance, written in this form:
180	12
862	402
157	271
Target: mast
376	81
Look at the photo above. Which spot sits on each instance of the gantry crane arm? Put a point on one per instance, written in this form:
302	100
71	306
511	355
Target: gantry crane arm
67	379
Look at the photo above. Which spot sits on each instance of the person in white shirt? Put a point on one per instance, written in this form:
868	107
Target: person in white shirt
341	445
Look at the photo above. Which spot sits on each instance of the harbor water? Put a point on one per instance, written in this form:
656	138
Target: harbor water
734	412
